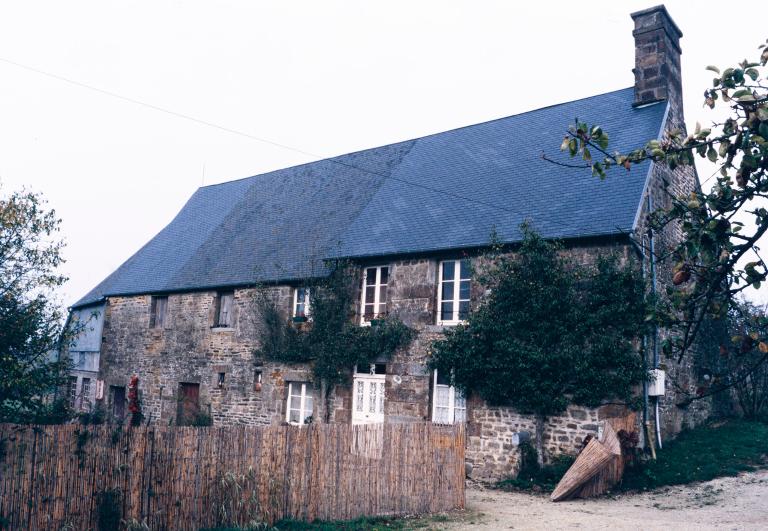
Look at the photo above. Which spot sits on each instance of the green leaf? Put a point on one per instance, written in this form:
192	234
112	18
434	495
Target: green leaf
724	145
763	129
740	93
713	68
752	73
712	154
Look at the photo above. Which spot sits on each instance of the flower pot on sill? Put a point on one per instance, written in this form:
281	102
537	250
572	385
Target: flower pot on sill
300	319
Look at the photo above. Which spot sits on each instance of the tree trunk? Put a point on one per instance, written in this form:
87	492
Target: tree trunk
540	419
325	398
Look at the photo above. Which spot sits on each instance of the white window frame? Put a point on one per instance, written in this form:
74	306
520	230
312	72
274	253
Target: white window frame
367	380
376	295
303	388
307	310
457	279
85	394
453	393
72	391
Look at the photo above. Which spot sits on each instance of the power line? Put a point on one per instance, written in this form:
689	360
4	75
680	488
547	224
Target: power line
271	142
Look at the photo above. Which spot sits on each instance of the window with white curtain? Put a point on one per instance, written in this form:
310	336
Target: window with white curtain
301	302
300	403
224	305
449	405
453	293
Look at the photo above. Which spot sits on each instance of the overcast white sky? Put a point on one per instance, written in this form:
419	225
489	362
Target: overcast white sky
324	77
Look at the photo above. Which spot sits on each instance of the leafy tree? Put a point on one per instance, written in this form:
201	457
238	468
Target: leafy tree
31	323
722	226
332	342
747	368
549	334
740	367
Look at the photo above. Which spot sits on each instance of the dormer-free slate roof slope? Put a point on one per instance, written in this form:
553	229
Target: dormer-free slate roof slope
444	191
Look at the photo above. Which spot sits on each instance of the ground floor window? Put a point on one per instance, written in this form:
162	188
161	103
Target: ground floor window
85	394
117	395
72	392
300	403
449	406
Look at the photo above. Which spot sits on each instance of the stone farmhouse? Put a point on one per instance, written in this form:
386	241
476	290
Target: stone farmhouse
411	216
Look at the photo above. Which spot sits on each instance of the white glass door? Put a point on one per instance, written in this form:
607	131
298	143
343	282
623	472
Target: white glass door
368	399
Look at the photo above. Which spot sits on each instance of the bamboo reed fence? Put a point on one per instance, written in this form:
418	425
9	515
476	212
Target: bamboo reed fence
53	477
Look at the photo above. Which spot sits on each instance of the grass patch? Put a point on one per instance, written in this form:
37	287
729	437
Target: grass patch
543	480
703	453
367	524
533	477
379	523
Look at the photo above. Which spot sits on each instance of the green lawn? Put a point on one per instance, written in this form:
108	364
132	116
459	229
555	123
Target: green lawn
360	524
367	524
535	479
704	453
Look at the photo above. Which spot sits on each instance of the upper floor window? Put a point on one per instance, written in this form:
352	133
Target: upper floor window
301	302
300	404
157	311
374	296
224	304
453	292
449	405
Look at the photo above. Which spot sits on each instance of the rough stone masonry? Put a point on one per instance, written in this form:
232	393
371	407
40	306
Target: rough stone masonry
190	358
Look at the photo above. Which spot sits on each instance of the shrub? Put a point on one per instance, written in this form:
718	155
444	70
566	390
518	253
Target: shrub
532	476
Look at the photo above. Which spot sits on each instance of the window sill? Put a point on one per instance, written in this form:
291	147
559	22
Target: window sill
222	329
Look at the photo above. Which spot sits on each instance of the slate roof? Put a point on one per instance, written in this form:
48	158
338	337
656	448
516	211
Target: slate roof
439	192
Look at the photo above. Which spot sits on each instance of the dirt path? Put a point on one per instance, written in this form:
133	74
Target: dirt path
725	503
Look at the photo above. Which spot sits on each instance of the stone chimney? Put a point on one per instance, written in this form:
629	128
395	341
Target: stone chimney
657	59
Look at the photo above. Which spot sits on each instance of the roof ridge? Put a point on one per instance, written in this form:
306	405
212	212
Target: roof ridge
414	139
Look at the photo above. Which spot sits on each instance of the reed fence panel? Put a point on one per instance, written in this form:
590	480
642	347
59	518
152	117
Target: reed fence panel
56	477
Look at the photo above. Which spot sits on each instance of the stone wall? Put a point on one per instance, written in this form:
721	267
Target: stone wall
189	349
494	434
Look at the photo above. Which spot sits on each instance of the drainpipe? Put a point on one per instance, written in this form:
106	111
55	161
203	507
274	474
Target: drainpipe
652	263
644	347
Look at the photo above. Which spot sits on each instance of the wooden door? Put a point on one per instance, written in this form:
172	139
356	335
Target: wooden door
189	404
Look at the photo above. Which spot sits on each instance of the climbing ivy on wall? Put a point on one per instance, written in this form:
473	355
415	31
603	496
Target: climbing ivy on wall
332	341
550	333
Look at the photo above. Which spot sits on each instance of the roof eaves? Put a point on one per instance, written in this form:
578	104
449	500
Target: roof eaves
647	183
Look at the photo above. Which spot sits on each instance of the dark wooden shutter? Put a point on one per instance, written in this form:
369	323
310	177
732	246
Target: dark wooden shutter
189	403
118	402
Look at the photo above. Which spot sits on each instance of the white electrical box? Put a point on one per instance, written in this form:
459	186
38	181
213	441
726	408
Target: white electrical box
656	383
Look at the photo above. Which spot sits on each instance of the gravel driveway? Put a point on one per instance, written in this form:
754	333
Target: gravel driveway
726	503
